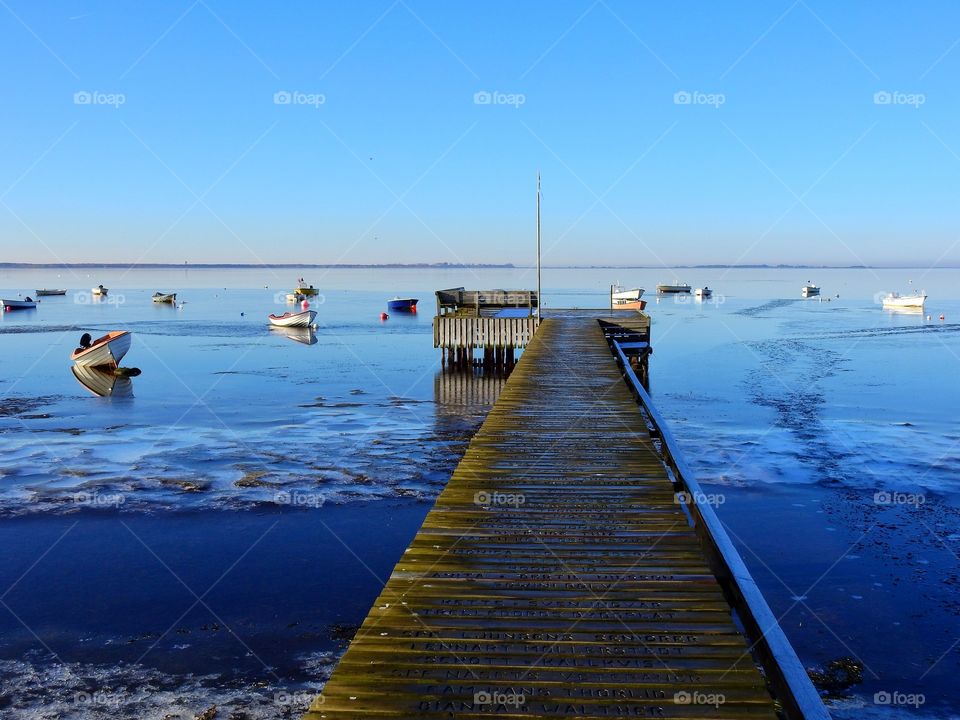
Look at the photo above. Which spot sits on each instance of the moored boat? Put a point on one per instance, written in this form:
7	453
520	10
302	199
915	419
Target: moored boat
98	290
27	304
617	292
703	292
399	304
49	293
170	298
303	289
628	304
288	319
809	290
912	302
105	352
294	297
666	289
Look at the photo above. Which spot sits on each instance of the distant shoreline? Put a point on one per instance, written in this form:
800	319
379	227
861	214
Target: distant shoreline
448	266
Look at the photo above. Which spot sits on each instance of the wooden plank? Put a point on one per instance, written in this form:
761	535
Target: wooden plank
556	575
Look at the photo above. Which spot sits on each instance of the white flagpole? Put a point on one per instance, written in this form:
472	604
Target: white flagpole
539	293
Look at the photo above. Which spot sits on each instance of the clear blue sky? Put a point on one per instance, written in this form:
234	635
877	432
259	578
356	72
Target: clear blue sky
399	163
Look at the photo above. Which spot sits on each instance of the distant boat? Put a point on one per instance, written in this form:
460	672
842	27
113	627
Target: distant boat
664	289
399	304
913	302
619	293
27	304
288	319
170	298
48	293
294	297
103	383
104	352
307	290
809	290
98	290
703	292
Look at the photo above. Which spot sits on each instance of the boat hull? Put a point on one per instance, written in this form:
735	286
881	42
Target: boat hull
673	289
810	291
105	352
308	291
18	304
98	291
169	298
402	305
911	302
50	293
629	304
289	320
629	295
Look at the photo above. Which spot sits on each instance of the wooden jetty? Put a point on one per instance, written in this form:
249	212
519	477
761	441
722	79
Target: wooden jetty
570	568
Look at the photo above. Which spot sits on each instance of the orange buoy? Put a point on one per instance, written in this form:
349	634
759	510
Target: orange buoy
383	316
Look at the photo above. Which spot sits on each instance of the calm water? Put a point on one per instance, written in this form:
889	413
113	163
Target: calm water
216	537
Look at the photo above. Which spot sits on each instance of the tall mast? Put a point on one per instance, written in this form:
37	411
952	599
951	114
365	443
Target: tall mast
539	293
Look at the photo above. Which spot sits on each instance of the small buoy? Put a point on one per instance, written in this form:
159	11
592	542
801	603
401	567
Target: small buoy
241	314
941	316
928	318
383	316
304	305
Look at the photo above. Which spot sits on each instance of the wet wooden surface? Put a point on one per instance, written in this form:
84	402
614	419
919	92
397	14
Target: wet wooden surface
556	576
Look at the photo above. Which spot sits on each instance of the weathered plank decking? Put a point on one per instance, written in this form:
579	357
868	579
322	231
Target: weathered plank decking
556	576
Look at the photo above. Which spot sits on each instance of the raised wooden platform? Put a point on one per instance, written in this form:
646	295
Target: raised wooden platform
557	575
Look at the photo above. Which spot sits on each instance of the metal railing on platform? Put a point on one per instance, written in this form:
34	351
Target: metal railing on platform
787	677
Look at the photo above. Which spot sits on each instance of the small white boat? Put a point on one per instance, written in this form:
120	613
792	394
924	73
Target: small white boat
703	292
170	298
105	352
895	300
27	304
103	383
666	289
617	292
48	293
809	290
294	297
288	319
98	290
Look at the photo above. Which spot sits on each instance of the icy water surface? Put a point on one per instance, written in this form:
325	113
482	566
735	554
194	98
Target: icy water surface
215	538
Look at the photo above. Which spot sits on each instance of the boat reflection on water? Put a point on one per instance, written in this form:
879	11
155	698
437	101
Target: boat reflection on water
103	383
304	335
